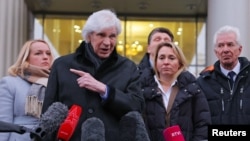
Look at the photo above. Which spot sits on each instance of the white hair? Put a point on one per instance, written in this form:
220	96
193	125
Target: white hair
100	20
227	29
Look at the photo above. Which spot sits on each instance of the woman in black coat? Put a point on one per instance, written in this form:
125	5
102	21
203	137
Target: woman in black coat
173	97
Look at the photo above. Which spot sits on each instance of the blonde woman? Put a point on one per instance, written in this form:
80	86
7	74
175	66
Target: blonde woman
173	98
22	91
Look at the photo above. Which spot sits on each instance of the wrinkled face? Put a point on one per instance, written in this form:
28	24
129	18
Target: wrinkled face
156	39
104	42
227	50
40	55
167	62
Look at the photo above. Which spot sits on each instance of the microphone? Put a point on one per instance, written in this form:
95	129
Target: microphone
10	127
132	127
93	130
50	121
67	128
173	133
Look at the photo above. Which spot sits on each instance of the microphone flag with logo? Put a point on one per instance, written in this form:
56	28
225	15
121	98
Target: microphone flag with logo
173	133
67	128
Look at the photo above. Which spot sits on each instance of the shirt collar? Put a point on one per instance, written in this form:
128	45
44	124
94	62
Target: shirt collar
159	84
236	69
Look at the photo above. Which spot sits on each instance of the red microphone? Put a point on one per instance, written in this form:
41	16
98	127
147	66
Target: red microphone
173	133
67	128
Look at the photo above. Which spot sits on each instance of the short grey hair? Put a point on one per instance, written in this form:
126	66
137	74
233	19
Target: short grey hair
227	29
100	20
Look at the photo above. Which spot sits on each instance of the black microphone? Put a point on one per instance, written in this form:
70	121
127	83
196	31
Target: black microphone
50	121
127	130
10	127
93	130
132	127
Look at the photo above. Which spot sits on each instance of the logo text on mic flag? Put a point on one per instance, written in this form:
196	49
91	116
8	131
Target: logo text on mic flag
173	133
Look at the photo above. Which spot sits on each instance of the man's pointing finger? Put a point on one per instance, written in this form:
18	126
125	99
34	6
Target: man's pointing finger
78	72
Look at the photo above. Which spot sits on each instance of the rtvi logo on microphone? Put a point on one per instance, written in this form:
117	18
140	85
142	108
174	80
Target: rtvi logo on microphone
177	133
241	132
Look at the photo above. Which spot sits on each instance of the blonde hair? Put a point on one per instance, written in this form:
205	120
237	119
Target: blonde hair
179	54
22	62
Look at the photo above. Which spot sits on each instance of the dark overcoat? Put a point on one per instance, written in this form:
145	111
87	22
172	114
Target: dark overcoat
118	73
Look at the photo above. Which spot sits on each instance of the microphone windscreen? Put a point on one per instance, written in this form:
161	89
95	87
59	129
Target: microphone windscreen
93	130
132	127
50	120
127	128
173	133
67	128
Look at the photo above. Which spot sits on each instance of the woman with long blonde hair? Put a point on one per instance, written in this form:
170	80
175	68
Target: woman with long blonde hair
22	91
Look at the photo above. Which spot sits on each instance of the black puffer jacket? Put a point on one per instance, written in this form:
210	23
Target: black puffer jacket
190	109
226	108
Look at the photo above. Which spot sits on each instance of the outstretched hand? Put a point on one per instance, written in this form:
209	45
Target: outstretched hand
89	82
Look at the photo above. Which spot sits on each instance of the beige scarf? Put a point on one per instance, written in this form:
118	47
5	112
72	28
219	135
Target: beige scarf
34	100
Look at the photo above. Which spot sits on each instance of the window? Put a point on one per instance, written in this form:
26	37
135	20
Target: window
64	34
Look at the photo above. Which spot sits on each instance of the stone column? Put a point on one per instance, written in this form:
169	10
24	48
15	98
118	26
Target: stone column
228	12
13	31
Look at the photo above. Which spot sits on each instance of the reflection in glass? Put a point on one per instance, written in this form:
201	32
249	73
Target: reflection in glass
65	36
